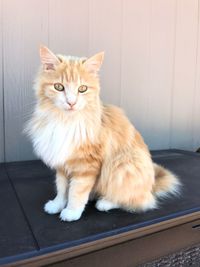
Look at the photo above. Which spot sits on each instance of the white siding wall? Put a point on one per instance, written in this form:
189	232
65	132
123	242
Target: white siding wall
1	90
151	68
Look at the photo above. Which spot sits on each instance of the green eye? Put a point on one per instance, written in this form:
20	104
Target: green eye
59	86
82	89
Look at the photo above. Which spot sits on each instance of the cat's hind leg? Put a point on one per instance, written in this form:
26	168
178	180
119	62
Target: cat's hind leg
59	202
105	205
128	184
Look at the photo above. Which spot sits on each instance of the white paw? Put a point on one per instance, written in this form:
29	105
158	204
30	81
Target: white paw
70	215
105	205
54	206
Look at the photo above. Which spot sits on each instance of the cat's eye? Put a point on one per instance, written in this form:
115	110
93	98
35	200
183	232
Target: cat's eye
59	86
82	88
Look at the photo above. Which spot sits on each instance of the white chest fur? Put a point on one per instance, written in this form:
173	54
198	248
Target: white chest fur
55	140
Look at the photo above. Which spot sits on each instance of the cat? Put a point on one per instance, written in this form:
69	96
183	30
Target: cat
93	147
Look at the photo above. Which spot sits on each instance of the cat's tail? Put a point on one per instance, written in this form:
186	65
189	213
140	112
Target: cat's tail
166	182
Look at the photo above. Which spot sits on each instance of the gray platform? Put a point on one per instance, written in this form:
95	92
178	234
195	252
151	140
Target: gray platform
28	235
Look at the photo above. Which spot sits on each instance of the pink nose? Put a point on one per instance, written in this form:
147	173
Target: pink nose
71	104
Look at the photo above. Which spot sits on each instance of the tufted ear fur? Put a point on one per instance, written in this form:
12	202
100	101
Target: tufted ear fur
48	59
93	64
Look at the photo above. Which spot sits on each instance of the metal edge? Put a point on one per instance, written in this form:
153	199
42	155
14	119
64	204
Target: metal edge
68	253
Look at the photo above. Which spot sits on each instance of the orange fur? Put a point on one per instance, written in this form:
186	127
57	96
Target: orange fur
111	158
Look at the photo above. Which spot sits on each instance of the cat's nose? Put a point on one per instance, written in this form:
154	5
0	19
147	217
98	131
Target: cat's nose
71	103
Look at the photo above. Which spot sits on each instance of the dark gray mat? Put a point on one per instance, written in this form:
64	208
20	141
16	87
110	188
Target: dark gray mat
34	185
15	235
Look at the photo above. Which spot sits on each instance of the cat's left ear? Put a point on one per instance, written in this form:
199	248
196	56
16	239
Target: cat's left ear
48	59
93	64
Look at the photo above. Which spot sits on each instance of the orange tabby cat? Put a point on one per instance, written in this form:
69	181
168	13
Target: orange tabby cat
93	147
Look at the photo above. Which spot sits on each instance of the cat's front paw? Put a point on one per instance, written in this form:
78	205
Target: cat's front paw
54	206
70	215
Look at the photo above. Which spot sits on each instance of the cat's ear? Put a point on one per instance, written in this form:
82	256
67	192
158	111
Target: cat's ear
48	59
93	64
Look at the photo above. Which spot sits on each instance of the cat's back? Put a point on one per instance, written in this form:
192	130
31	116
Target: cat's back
116	123
114	116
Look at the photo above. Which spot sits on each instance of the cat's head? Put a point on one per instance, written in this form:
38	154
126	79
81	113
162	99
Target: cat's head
68	83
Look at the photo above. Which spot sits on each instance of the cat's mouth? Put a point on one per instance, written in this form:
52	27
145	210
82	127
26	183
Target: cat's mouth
70	108
67	107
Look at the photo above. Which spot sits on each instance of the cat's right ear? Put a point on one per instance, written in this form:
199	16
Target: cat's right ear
48	59
93	64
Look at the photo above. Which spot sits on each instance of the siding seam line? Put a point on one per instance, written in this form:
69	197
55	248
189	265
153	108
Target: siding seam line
173	75
121	51
3	89
195	80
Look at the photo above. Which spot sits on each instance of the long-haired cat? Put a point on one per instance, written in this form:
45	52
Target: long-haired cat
93	147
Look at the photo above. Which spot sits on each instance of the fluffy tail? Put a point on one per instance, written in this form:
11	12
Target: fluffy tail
165	182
